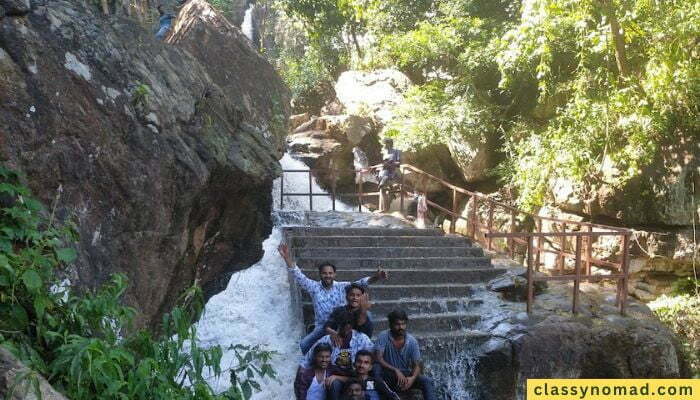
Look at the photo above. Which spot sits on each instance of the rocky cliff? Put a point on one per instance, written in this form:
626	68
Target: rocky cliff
163	154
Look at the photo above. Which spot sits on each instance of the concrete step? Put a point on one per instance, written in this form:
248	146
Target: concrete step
433	341
418	323
396	263
379	241
383	291
418	276
321	231
380	308
388	252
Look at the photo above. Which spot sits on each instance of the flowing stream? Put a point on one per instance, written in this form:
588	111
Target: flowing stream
257	307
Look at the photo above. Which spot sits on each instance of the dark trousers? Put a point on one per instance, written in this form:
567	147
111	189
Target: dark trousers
422	383
335	392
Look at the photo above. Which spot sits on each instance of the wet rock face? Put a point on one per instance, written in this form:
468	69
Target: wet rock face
11	376
553	343
664	193
164	158
14	7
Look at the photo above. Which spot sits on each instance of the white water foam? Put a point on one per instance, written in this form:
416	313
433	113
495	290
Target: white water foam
247	24
257	307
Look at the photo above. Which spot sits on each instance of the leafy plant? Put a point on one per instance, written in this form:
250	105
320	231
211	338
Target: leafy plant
682	315
140	94
84	342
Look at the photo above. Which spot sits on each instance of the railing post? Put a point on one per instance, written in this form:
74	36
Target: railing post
561	250
453	228
282	191
475	217
540	243
311	192
577	279
334	183
530	276
511	242
625	271
489	241
589	250
401	172
359	196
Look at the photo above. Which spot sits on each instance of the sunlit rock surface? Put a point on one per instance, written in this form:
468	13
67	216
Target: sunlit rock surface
162	154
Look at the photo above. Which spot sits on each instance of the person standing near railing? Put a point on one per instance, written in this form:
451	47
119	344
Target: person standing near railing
391	160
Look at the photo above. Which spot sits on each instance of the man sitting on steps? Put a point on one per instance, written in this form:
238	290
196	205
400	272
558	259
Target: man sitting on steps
325	295
374	388
343	353
398	354
357	302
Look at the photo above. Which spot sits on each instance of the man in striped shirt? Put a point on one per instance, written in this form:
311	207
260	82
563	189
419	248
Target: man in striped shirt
326	294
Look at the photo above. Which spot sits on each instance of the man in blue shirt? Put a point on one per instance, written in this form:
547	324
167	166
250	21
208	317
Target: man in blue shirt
398	354
326	294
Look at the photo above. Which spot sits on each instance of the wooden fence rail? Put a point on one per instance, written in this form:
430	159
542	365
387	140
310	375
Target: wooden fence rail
574	239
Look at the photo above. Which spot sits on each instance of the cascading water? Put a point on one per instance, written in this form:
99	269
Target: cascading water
247	25
257	307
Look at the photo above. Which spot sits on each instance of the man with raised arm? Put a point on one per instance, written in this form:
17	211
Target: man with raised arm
356	302
398	354
326	294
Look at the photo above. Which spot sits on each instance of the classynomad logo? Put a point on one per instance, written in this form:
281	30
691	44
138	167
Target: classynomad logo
613	389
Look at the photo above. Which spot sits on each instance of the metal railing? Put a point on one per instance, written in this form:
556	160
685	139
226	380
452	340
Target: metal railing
531	244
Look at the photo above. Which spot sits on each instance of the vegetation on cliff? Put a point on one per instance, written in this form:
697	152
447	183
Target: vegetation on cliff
82	342
680	311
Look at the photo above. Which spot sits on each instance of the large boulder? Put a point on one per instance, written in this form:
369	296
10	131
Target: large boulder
363	106
475	156
511	346
372	93
663	193
162	153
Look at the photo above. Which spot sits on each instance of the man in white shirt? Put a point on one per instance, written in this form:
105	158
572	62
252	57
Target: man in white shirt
326	294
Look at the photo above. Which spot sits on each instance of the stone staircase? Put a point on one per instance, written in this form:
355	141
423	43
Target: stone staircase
430	275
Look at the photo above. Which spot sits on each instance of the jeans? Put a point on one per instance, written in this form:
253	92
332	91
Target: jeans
309	340
335	392
164	23
422	382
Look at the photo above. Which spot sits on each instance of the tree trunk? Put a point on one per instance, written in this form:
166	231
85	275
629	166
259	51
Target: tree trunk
618	38
353	33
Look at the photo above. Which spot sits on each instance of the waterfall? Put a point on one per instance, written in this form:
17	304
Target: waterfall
257	307
247	26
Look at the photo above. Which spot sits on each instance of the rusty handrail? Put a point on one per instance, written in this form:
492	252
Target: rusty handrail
621	277
583	258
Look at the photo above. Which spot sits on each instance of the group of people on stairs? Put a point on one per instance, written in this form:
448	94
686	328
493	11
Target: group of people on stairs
340	359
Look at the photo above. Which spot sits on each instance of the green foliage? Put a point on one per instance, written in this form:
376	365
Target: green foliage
682	315
554	83
79	341
139	97
303	74
684	286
